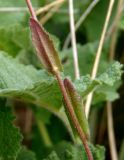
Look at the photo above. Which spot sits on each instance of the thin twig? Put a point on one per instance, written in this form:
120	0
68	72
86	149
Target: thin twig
73	39
111	136
44	19
47	7
80	21
111	28
98	55
115	28
28	124
24	9
31	9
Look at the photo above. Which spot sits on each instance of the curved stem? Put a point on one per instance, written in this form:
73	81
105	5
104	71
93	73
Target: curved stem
98	55
80	21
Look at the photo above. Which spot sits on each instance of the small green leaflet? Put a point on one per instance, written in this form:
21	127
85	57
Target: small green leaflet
10	136
26	154
67	151
27	83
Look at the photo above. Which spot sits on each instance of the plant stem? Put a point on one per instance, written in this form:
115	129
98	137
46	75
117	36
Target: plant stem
80	21
48	6
98	55
45	18
31	9
115	29
44	133
111	136
73	39
73	116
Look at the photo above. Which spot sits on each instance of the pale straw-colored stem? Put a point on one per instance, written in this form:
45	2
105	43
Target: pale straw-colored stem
80	21
98	55
115	29
111	136
47	7
73	39
51	12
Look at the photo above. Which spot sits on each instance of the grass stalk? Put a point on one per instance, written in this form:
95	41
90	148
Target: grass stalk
73	40
98	55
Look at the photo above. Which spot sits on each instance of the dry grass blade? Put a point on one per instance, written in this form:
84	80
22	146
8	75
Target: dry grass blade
47	7
80	21
111	136
98	55
73	39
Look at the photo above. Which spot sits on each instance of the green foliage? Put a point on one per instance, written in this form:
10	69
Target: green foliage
32	84
11	43
121	22
35	88
13	17
85	85
26	154
86	56
25	82
67	151
104	86
10	137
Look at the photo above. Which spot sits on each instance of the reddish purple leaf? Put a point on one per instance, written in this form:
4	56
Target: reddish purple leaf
44	47
76	102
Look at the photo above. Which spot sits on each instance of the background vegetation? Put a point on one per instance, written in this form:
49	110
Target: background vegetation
30	94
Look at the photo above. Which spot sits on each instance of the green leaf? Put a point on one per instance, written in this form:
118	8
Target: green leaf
26	154
95	21
14	39
10	136
109	83
86	56
105	86
112	74
27	83
52	156
85	85
98	152
68	151
9	18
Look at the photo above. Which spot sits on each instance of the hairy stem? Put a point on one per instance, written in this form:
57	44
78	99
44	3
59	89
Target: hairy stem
31	9
98	55
73	117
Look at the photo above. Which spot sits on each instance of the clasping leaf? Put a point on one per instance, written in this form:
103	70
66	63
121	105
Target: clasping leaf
44	47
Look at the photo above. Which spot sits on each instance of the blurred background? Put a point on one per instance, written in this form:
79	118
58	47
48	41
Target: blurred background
89	16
